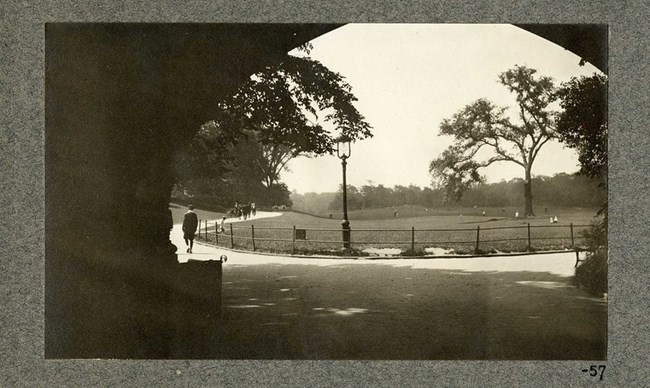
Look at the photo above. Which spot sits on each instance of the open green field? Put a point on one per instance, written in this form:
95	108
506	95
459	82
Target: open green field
432	229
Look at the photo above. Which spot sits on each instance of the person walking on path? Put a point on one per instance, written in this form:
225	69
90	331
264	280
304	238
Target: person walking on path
246	211
190	223
221	226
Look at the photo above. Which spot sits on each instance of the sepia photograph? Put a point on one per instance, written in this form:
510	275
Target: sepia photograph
256	191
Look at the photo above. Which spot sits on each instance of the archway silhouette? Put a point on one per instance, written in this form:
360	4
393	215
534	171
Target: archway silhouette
119	100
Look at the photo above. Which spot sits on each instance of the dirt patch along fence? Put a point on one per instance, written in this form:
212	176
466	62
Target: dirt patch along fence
525	238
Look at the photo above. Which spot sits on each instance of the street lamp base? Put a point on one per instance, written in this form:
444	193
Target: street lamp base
345	226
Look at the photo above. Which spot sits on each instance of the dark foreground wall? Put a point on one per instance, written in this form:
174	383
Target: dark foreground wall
120	99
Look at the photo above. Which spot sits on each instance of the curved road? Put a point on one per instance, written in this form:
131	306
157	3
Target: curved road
523	307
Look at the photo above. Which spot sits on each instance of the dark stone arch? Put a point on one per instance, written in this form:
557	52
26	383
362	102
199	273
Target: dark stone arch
588	41
119	99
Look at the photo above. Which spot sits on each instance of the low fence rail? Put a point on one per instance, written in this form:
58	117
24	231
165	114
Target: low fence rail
410	241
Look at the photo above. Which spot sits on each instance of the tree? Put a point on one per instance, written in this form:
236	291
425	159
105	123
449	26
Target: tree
483	125
282	105
354	199
267	160
209	154
582	123
376	196
313	203
254	172
274	117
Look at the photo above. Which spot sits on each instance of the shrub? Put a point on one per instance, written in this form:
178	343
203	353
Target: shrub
416	252
591	274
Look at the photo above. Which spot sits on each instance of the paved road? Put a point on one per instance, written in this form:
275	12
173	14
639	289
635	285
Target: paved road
484	308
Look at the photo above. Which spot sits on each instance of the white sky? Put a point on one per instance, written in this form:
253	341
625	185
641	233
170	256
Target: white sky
408	78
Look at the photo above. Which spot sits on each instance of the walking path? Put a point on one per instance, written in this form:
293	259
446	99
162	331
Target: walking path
258	215
560	264
205	252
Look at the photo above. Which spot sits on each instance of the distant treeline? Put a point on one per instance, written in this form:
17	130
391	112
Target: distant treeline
561	190
221	194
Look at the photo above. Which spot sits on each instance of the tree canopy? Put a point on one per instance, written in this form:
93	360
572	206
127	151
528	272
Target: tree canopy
483	125
280	113
283	105
582	123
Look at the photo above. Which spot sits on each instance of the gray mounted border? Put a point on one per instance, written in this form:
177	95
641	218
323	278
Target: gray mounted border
22	198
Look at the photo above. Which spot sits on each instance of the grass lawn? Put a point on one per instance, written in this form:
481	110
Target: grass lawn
499	230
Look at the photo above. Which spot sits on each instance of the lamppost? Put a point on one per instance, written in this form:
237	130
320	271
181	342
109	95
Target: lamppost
343	151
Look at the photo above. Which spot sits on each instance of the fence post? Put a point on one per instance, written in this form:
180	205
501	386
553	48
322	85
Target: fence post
206	230
478	233
216	233
413	239
573	244
293	240
529	247
253	236
199	229
232	238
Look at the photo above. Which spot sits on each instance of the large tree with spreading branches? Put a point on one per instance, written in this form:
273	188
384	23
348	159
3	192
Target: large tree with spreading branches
267	159
279	114
514	138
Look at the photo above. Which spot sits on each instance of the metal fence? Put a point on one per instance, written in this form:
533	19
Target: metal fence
463	240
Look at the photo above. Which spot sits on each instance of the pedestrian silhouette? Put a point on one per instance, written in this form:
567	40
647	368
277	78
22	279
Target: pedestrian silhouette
190	223
221	225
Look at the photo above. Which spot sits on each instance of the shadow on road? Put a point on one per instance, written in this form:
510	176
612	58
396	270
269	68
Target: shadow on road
371	311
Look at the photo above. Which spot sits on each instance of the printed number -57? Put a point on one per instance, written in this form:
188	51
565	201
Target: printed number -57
595	369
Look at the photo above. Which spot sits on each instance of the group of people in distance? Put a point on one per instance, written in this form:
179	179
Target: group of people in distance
243	210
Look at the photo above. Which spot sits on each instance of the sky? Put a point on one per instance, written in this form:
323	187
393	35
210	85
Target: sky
408	78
